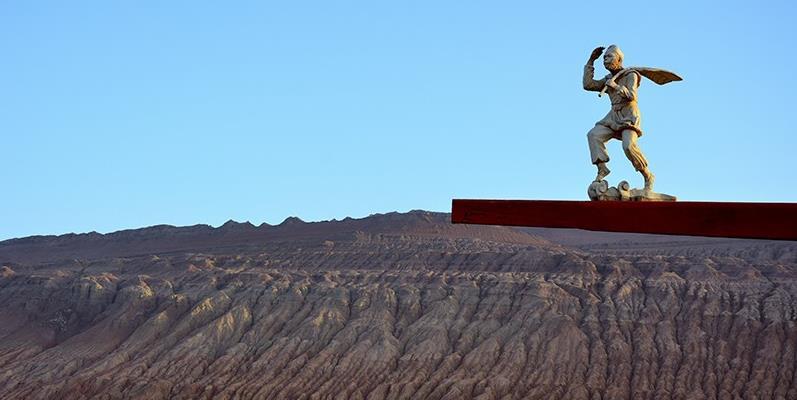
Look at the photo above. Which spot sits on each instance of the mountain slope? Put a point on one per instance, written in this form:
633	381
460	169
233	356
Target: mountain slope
393	306
234	236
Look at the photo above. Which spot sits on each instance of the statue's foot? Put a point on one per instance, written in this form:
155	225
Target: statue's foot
649	180
603	172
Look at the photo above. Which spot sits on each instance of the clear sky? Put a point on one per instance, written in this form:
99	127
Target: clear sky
123	114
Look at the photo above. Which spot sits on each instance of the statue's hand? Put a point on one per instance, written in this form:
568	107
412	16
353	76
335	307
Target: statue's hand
595	54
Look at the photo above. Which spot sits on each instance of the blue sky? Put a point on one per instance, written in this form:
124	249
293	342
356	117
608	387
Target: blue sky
125	114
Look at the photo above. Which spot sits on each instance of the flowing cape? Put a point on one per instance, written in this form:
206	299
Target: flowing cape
658	75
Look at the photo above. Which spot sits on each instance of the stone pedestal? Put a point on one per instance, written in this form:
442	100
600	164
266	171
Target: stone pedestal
601	191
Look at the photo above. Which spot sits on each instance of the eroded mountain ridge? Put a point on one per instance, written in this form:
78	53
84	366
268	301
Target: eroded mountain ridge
394	306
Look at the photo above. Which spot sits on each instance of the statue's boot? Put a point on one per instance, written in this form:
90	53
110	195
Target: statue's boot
603	171
649	180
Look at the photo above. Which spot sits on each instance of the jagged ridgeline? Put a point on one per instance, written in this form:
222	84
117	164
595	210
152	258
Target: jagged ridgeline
395	306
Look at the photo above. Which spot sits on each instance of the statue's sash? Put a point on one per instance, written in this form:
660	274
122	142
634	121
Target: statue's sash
657	75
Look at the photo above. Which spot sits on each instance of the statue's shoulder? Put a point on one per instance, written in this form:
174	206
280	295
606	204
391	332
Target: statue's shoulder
629	73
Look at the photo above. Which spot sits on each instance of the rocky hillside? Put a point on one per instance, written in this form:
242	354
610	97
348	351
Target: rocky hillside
244	238
395	306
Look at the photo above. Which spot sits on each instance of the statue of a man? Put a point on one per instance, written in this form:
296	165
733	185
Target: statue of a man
623	121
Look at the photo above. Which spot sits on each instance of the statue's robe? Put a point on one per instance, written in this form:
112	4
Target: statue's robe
623	122
625	112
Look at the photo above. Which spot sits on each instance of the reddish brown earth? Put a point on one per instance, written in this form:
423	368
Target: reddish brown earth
395	306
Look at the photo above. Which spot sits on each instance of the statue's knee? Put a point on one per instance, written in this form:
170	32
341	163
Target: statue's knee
629	147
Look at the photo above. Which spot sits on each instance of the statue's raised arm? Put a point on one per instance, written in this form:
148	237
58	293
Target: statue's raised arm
589	71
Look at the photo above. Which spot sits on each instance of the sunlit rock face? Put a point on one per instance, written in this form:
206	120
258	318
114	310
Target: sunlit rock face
395	306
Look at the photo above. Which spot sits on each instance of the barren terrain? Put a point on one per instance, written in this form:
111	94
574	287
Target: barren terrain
395	306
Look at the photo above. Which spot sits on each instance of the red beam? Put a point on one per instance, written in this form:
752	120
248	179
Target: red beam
733	220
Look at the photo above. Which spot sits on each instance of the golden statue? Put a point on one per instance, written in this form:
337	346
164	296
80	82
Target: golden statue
623	122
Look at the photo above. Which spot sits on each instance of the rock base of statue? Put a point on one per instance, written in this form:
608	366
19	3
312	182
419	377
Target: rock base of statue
601	191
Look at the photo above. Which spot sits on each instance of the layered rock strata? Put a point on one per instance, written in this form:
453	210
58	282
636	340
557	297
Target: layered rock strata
406	309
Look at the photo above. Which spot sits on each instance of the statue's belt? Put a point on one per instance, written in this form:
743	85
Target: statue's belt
620	106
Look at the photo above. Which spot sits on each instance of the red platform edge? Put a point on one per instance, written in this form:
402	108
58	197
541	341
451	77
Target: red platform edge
777	221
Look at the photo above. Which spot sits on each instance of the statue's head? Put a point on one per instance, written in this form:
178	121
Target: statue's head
613	58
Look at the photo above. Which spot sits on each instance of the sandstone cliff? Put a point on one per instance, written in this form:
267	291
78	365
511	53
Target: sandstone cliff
395	306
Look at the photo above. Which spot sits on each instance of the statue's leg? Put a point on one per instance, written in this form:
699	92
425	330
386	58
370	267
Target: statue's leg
638	160
597	138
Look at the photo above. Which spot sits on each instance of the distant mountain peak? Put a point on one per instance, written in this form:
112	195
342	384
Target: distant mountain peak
233	225
290	221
